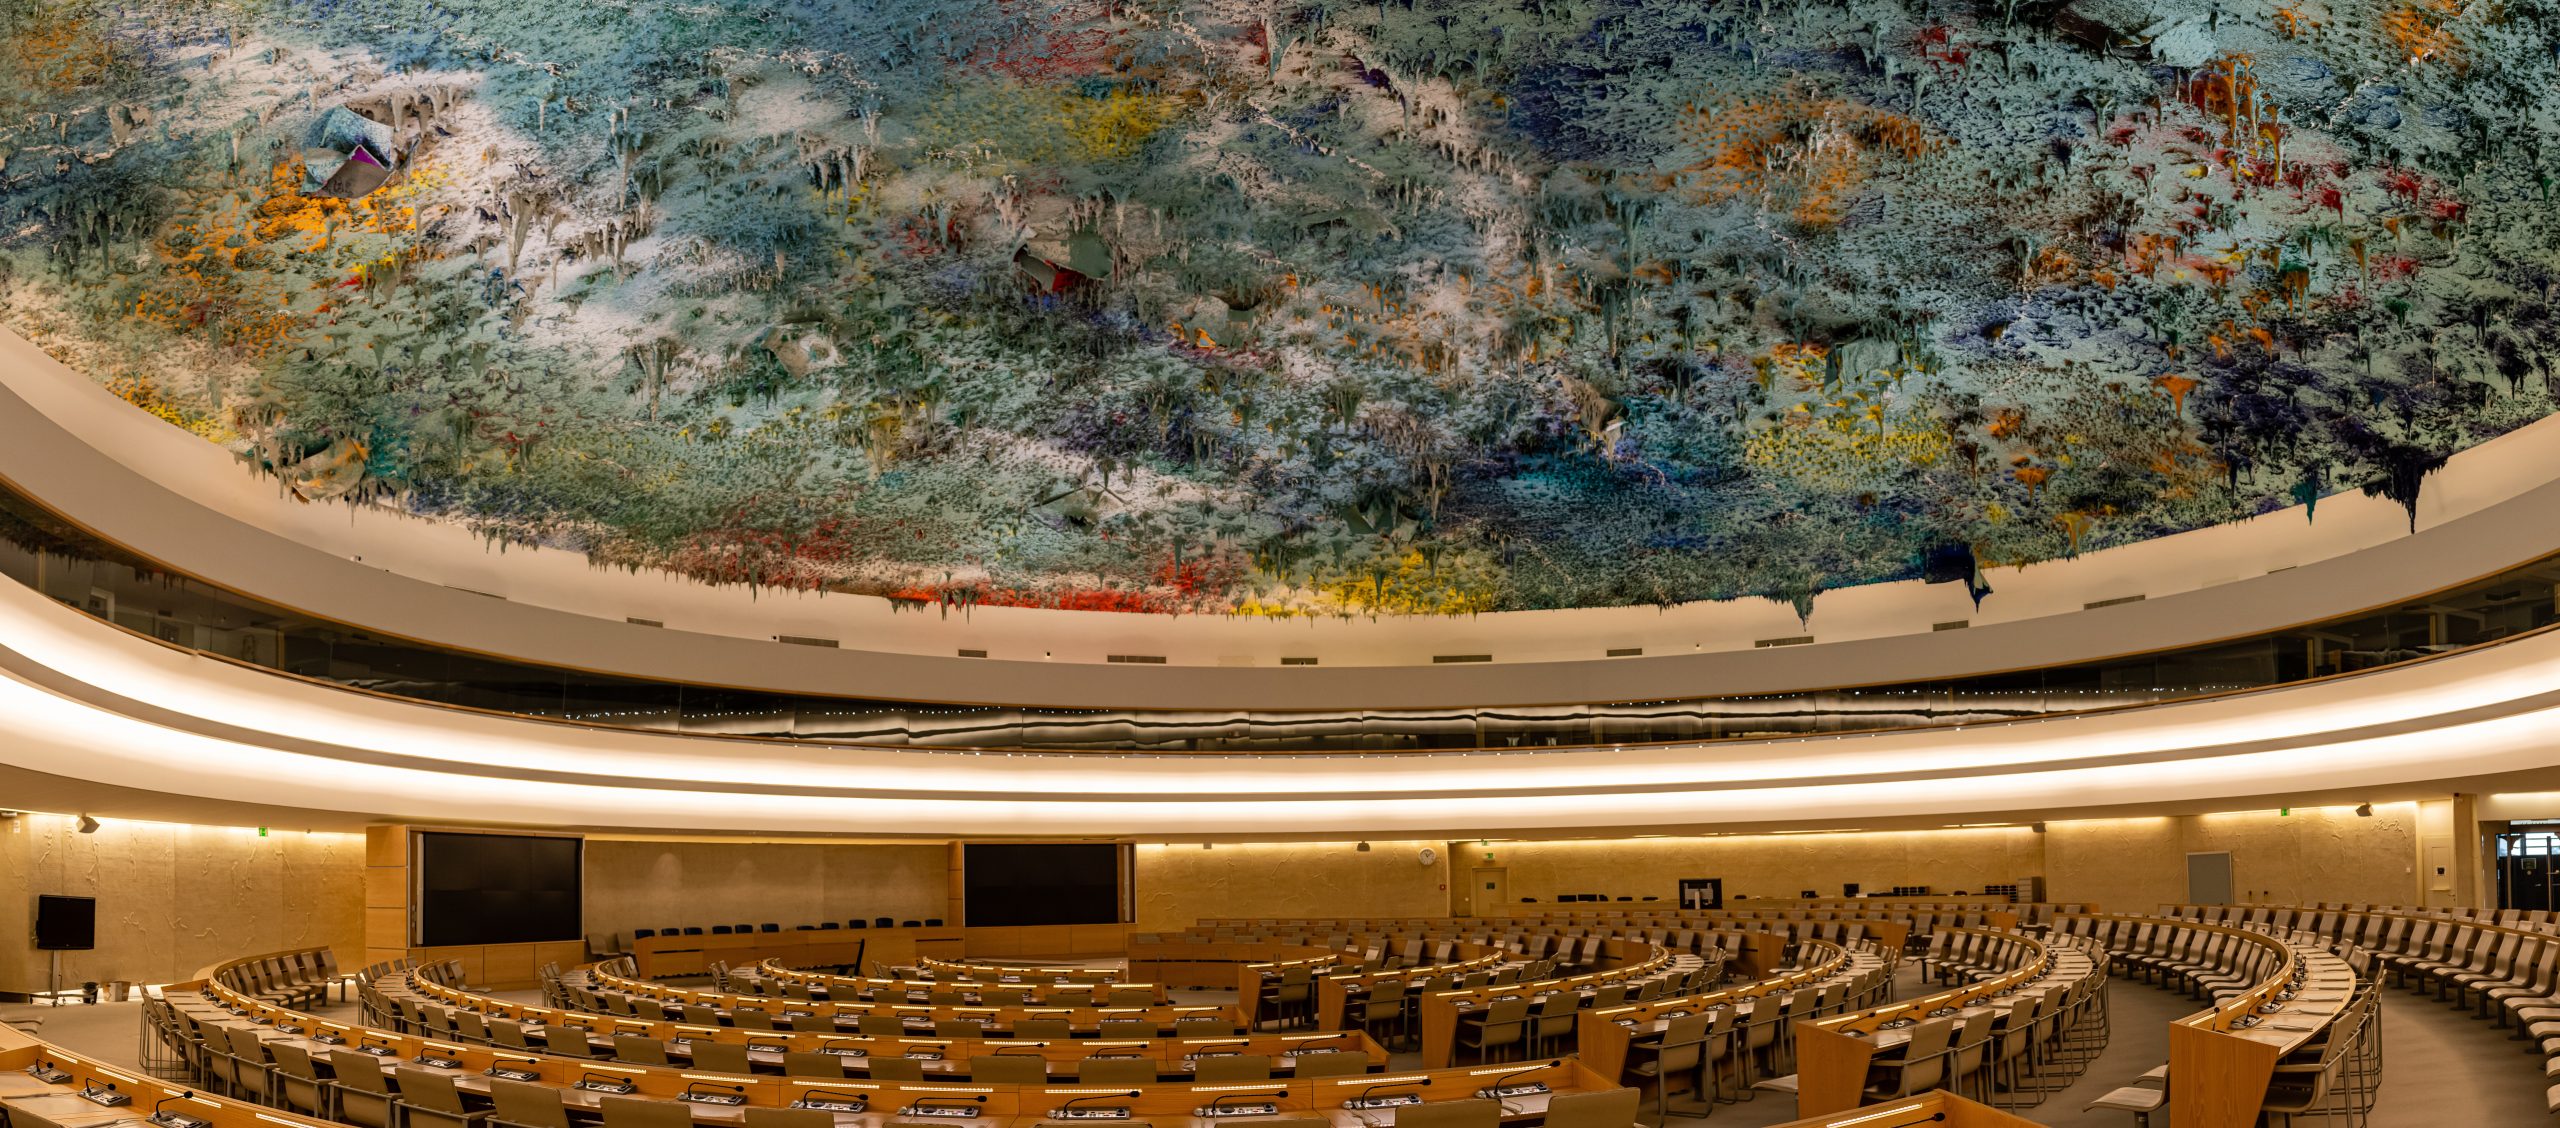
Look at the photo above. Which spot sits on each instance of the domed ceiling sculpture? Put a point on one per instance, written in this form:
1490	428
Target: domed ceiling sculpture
1285	308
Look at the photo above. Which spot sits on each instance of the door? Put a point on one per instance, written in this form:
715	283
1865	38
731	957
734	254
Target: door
1489	893
2209	879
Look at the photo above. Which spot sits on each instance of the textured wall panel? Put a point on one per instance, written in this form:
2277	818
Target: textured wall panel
174	898
1763	865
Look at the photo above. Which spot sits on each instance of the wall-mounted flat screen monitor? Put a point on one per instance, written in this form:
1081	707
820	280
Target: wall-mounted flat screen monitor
1041	882
496	888
66	924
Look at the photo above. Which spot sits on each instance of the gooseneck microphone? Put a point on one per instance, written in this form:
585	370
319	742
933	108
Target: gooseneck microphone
1060	1112
1494	1089
1363	1100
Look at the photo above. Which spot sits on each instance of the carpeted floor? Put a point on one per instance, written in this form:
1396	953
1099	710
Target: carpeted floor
2440	1067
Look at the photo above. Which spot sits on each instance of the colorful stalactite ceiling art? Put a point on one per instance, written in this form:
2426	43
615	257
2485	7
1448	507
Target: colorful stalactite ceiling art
1299	308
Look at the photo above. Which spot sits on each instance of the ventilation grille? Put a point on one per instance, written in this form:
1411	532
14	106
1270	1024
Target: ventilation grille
1951	625
1626	652
1445	659
646	622
2113	602
1766	643
805	640
1297	661
973	653
1138	659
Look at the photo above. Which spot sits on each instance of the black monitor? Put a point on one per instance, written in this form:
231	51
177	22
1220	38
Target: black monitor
66	924
497	888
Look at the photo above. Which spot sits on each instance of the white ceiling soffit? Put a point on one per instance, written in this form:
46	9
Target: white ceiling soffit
89	701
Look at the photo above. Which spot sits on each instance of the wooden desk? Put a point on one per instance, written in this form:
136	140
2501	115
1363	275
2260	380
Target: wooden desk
1832	1055
1940	1109
666	956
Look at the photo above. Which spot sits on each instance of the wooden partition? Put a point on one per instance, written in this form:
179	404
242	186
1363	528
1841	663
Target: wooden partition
1440	1011
1940	1109
1239	964
1832	1054
1335	991
1044	990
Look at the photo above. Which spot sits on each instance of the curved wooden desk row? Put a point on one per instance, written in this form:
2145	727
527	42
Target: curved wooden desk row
1605	1034
2287	990
669	956
1442	1014
1834	1053
1240	964
672	1003
33	1103
581	1036
1940	1109
883	1104
931	968
2467	958
995	989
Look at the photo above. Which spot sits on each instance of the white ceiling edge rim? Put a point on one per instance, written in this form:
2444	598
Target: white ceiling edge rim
2390	728
184	501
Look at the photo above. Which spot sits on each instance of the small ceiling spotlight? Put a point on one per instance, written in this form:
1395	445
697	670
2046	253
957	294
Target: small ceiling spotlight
2037	827
2364	810
88	825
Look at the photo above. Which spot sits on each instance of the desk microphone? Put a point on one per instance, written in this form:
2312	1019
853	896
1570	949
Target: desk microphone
1060	1112
962	1108
599	1083
161	1115
1218	1107
370	1044
704	1092
831	1100
1364	1100
1497	1092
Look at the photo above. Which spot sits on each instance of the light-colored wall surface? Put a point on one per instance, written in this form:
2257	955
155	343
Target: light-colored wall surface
173	898
1764	865
2313	854
1179	884
660	884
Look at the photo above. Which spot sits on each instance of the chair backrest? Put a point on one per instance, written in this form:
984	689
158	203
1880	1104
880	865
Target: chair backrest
720	1057
361	1072
1474	1112
638	1050
1605	1108
565	1040
641	1112
1009	1069
1116	1071
880	1026
1128	1028
1240	1067
1045	1029
807	1063
1334	1063
519	1102
790	1117
896	1069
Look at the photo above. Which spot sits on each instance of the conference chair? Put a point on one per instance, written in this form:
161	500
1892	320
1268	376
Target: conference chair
1474	1112
1604	1108
896	1069
251	1068
641	1112
790	1118
1502	1025
1044	1029
561	1039
1680	1048
430	1100
1125	1029
1116	1071
1009	1069
297	1081
749	1018
807	1063
881	1026
1332	1063
525	1105
1240	1067
361	1092
635	1050
960	1028
720	1057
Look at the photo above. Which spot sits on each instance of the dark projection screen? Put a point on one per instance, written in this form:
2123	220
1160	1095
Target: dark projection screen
497	889
1041	883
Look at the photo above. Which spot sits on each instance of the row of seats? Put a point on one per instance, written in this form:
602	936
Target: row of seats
2021	1018
2328	1037
770	926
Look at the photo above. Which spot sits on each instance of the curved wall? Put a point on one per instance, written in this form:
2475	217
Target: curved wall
96	703
173	497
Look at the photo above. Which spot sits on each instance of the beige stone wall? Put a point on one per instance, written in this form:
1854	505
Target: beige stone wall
173	898
1179	884
2313	854
1757	866
660	884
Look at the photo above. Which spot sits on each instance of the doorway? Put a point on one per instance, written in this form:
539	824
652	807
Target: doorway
1489	891
2209	878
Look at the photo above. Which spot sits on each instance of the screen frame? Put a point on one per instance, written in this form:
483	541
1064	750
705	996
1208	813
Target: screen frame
418	837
